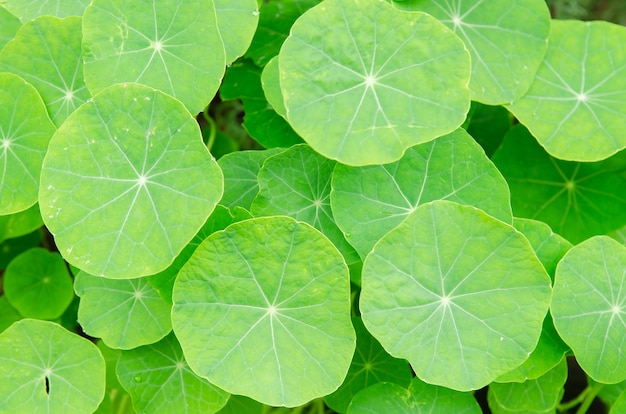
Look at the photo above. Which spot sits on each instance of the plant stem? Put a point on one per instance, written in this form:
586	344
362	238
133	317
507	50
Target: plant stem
590	395
212	127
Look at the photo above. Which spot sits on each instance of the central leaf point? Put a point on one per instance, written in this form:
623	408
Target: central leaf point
370	81
581	97
157	45
69	95
6	142
570	185
616	309
456	20
142	180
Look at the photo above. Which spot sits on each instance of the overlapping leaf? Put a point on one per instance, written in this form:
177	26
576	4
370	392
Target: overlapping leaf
236	37
31	9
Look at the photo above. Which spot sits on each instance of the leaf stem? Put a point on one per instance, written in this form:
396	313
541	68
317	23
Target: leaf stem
590	395
212	127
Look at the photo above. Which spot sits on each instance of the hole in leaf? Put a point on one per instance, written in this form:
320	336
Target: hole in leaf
47	384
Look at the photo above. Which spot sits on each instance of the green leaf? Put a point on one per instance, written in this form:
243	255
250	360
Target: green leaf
25	131
270	80
240	176
588	306
453	167
362	81
370	365
578	200
160	381
46	52
20	224
38	285
124	313
507	41
258	306
620	405
296	183
9	249
238	404
116	399
577	103
171	46
46	369
9	24
488	126
127	182
539	395
236	37
31	9
420	398
458	293
8	314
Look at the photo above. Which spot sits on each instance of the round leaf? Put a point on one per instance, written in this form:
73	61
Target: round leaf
38	285
46	369
24	135
127	183
589	306
124	313
270	79
577	104
258	306
172	46
47	53
236	37
362	81
458	293
19	224
31	9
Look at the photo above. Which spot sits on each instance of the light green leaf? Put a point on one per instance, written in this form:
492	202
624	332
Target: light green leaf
578	200
20	224
31	9
258	306
420	398
171	46
160	381
240	176
9	24
589	306
620	405
127	182
367	202
46	52
577	104
124	313
46	369
370	365
296	183
116	399
458	293
38	285
539	395
362	81
507	41
270	80
25	131
609	393
236	37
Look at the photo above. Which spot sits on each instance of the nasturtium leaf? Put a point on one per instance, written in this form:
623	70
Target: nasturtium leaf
127	182
236	37
8	314
362	81
31	9
296	183
160	381
578	200
9	25
240	176
124	313
20	224
259	305
275	21
609	393
577	103
38	285
25	131
619	234
270	81
46	369
369	201
9	249
539	395
507	41
620	405
171	46
243	80
489	125
458	293
116	399
238	404
420	398
589	306
371	364
46	52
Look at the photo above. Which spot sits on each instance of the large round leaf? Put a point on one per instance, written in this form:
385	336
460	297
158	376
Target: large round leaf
577	104
589	306
127	183
31	9
25	131
173	46
362	81
258	307
46	369
458	293
506	39
236	37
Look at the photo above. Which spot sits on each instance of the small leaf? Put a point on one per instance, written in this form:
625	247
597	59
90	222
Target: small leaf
8	314
270	80
458	293
236	37
588	306
20	224
46	369
258	306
